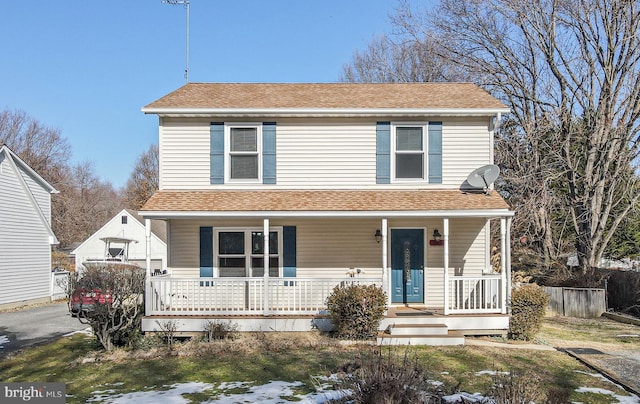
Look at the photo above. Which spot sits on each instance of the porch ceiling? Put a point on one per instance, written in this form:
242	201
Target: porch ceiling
325	203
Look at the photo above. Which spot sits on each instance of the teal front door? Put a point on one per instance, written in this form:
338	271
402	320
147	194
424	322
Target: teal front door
407	265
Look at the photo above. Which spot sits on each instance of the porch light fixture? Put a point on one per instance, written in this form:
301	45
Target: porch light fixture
378	236
437	238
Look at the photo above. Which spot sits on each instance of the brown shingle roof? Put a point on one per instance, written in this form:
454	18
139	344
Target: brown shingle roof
319	201
327	96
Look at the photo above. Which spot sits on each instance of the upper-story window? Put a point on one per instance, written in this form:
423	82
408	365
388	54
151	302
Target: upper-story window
409	152
244	152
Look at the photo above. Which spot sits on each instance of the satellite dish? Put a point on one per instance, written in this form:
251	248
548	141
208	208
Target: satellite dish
483	177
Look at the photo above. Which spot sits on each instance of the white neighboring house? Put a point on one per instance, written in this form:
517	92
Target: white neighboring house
127	224
25	232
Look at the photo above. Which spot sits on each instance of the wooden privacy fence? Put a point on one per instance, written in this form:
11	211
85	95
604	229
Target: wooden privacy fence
576	302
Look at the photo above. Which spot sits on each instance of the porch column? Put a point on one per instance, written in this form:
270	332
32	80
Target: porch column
385	270
508	263
265	265
445	235
503	263
147	233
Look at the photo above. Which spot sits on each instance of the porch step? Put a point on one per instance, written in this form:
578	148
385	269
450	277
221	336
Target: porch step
419	334
417	329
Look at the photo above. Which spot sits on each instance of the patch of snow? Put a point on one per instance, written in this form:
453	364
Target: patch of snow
468	398
171	396
3	340
86	331
632	399
491	372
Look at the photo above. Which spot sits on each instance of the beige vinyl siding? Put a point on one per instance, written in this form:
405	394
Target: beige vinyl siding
25	257
325	248
326	155
184	154
329	248
466	145
467	247
323	154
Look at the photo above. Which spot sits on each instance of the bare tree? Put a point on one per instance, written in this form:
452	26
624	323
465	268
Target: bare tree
84	204
570	70
144	179
42	148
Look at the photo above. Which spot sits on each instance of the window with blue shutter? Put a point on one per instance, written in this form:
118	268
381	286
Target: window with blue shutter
289	253
435	152
383	153
216	153
269	153
206	253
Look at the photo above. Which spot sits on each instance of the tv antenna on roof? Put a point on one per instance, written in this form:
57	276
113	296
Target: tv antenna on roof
185	3
483	177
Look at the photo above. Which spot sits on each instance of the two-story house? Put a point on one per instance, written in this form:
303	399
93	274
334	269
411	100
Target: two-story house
275	193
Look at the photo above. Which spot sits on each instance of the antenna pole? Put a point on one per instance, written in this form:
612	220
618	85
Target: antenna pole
185	3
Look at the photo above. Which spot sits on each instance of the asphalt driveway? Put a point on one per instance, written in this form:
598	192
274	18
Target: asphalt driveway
34	325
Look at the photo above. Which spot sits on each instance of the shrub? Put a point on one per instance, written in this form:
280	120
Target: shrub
528	305
218	329
108	297
384	379
356	310
623	290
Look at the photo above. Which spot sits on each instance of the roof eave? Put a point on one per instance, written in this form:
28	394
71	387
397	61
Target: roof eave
151	214
321	112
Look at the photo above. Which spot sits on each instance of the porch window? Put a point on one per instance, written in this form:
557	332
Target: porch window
241	253
243	155
409	152
231	254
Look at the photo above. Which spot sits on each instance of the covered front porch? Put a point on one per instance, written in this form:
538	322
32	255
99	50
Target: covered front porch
275	266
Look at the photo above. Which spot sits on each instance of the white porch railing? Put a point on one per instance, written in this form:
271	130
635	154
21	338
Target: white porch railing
241	296
482	294
246	296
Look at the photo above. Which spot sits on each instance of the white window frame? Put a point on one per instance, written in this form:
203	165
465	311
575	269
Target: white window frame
228	152
425	151
247	248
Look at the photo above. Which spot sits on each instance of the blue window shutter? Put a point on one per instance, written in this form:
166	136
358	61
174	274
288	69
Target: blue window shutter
217	152
206	252
269	153
289	253
435	152
383	152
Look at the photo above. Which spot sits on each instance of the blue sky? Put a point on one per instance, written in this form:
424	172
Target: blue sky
87	67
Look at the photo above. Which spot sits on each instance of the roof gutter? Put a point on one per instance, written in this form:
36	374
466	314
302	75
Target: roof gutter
325	112
480	213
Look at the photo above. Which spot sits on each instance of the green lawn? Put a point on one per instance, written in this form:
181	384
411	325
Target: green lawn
264	357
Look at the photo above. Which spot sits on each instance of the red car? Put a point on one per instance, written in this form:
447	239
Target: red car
84	300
